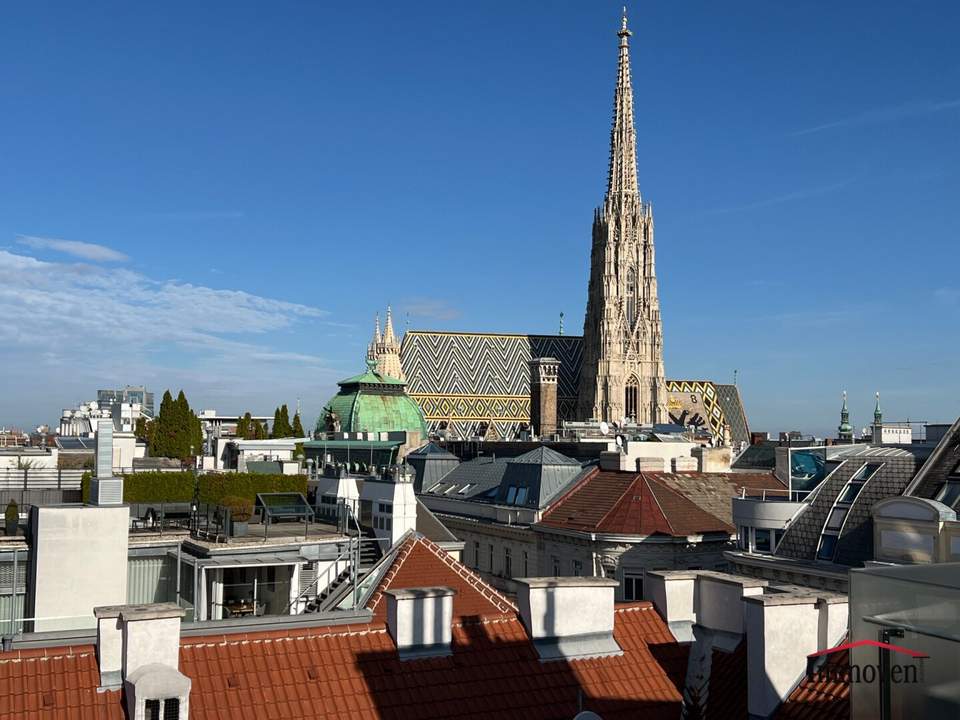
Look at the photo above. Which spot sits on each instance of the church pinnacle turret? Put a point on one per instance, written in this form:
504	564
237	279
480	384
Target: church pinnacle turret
384	350
845	429
622	374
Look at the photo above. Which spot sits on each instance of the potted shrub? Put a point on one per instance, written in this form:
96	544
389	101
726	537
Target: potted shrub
240	511
11	518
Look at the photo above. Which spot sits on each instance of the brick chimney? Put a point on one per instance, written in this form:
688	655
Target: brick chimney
568	617
543	395
420	621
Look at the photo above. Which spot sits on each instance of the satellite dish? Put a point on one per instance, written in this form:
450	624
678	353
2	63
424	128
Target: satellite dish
604	428
619	440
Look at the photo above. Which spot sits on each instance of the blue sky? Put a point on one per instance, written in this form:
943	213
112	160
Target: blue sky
221	197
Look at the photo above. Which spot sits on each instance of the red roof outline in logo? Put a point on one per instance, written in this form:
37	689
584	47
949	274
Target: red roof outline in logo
874	643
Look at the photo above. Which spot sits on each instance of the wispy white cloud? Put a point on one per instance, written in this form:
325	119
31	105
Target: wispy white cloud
72	327
430	308
83	250
787	197
883	115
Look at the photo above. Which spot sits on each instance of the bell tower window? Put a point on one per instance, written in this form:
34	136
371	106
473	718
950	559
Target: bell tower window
631	298
631	399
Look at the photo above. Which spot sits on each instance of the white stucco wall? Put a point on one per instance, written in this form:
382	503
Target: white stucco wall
78	562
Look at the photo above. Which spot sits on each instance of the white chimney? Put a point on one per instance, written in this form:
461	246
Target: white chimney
782	630
569	617
138	648
105	489
420	621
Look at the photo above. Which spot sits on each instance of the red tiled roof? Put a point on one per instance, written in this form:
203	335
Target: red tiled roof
494	672
630	504
713	492
354	671
419	558
55	683
821	696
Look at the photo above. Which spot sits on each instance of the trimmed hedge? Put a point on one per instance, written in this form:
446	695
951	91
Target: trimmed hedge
149	487
215	487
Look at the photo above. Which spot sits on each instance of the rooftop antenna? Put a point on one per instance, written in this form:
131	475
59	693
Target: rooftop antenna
561	322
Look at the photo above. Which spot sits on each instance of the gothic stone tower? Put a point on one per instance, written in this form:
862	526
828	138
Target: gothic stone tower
384	349
622	373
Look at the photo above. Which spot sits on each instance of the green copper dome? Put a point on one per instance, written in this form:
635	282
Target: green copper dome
372	402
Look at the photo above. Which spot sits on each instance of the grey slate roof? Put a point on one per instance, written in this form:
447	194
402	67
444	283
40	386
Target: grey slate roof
762	456
431	463
942	463
855	540
431	450
544	456
483	473
728	398
544	473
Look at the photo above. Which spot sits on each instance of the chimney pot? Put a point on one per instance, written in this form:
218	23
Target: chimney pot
420	621
569	617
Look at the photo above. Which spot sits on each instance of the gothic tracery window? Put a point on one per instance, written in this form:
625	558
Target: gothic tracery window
631	400
631	298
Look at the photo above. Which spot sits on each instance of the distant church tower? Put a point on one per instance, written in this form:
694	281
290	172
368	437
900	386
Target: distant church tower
384	349
622	373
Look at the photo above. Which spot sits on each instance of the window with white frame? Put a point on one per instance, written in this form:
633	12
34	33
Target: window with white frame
632	587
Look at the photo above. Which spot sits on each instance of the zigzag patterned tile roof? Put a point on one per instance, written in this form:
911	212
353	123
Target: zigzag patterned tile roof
466	379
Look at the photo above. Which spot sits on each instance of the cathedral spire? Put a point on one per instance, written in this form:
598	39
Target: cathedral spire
622	176
376	329
388	336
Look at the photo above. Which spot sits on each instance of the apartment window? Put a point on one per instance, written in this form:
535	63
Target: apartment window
836	518
633	587
866	472
777	537
526	564
476	554
577	568
522	496
850	492
491	558
170	709
828	545
556	566
949	493
743	538
466	488
511	494
761	540
507	563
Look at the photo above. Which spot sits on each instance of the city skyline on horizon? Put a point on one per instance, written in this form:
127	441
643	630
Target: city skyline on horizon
176	325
